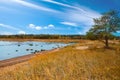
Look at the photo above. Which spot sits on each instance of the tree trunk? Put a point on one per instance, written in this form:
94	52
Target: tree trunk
106	42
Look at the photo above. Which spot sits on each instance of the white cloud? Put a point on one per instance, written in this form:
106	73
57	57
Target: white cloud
32	26
38	28
69	23
31	5
35	27
51	26
8	26
21	32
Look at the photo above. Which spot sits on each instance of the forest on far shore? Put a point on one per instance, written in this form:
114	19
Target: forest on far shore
48	36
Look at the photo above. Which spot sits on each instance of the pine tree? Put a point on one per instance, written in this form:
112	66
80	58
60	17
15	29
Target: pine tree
106	25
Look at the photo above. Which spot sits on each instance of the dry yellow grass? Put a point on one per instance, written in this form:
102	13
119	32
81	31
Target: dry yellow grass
94	63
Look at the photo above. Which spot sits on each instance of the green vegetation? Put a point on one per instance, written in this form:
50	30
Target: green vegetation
54	38
42	36
105	26
71	63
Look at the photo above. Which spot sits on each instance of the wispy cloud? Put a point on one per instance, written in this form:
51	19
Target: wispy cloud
79	14
62	4
31	5
18	30
81	9
9	26
78	17
6	33
69	23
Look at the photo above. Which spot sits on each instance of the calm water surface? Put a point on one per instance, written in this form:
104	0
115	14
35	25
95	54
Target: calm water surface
14	49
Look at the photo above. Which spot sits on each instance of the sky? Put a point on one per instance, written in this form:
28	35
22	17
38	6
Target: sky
52	16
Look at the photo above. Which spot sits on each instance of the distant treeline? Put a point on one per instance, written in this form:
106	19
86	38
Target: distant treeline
43	36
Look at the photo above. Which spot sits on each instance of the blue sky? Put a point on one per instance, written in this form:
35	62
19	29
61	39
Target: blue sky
51	16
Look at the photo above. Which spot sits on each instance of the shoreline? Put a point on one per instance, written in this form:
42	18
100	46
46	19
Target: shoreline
20	59
42	40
